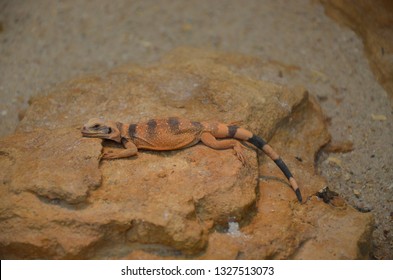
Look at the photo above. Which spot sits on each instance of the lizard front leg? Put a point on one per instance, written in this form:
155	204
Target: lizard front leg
130	150
209	140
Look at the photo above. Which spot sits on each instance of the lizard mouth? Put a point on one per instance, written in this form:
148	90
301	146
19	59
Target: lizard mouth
91	134
100	133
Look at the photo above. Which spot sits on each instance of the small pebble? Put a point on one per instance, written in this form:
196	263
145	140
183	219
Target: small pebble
347	176
145	44
377	117
334	160
186	27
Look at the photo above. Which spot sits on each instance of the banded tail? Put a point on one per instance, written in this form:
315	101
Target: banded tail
243	134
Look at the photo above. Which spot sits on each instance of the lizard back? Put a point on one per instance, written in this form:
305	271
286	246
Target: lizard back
165	134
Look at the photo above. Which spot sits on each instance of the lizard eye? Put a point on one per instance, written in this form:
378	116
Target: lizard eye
96	126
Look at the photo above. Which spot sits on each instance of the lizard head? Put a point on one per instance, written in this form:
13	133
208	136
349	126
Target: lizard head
99	128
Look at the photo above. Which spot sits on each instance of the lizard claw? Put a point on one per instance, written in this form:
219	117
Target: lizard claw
109	154
239	153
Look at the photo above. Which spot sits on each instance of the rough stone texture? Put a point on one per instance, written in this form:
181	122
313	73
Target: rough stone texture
58	202
373	21
31	158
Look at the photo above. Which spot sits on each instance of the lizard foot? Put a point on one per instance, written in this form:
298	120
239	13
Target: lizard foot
239	153
109	154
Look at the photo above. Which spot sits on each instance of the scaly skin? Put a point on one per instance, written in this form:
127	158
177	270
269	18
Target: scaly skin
176	133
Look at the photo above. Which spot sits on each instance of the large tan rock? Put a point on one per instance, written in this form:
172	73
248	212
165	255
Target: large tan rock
58	202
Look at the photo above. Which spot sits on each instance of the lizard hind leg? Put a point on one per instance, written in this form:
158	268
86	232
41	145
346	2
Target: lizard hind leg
209	140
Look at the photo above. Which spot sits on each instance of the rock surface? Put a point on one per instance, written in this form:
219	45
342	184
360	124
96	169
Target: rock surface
373	21
58	202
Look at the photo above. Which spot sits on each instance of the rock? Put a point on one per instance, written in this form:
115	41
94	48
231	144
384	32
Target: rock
326	195
372	21
378	117
31	163
356	193
58	202
339	146
334	161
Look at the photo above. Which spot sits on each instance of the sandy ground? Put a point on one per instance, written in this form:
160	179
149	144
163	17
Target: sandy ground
46	42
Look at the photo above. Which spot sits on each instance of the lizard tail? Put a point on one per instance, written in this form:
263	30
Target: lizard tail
268	150
243	134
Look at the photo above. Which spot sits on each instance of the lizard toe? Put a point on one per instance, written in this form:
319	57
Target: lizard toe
108	155
239	153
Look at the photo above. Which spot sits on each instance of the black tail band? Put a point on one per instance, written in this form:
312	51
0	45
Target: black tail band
232	129
257	142
299	195
284	168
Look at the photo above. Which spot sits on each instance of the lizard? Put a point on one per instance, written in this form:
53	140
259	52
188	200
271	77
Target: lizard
172	133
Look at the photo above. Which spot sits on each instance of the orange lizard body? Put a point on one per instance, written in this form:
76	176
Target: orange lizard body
176	133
